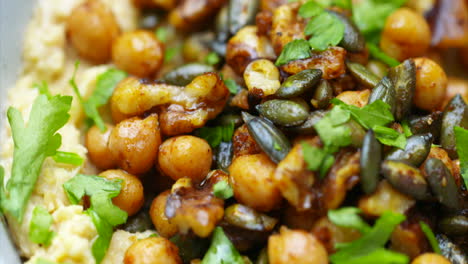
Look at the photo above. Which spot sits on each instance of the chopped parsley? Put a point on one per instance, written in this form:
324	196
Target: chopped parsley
375	114
317	159
349	217
212	58
39	227
223	190
276	146
34	141
231	85
161	34
221	250
171	52
215	135
43	88
406	128
461	136
332	131
375	52
297	49
68	158
389	136
430	237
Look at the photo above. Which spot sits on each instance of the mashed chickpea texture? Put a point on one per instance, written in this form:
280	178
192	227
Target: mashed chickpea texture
239	131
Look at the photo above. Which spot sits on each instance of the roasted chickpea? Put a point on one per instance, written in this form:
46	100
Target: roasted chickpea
406	34
97	144
247	173
185	156
157	212
134	143
356	98
455	86
153	250
91	29
131	197
431	84
262	78
139	53
430	258
295	247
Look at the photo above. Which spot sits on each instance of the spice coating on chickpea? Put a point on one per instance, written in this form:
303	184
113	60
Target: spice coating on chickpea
134	143
96	142
431	84
247	173
158	216
185	156
153	250
131	197
91	29
139	53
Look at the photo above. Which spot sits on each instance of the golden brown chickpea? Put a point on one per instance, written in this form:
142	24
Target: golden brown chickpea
356	98
158	216
247	173
139	53
430	258
91	29
98	150
131	197
153	250
406	34
295	247
455	86
431	84
185	156
134	143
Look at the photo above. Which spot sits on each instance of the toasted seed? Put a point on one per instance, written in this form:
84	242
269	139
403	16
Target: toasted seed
416	150
371	157
454	225
224	154
362	74
270	139
185	74
299	83
228	119
245	217
378	68
442	183
352	40
451	251
283	112
385	91
406	178
322	96
403	78
307	128
431	123
455	114
241	13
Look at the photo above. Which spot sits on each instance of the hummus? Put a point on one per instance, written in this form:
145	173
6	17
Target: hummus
47	58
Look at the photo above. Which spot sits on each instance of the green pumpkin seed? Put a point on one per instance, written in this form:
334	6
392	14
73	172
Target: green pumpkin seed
431	123
190	246
227	119
442	183
307	128
451	251
378	68
270	139
247	218
224	153
183	75
283	112
385	91
403	78
262	257
352	41
454	225
242	13
406	179
371	157
138	223
322	96
416	150
362	74
299	83
455	114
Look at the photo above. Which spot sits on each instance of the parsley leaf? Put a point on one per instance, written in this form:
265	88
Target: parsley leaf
381	256
297	49
378	54
223	190
317	159
216	135
390	137
161	34
221	250
232	86
461	136
375	114
430	236
406	128
331	130
212	58
325	30
171	52
39	226
105	232
43	88
310	9
364	248
45	261
34	141
68	158
348	217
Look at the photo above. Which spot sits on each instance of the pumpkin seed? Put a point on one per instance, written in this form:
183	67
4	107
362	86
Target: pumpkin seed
406	179
299	83
371	157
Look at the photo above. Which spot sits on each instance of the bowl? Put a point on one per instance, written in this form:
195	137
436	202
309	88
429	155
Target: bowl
14	16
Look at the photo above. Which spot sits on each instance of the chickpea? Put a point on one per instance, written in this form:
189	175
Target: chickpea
185	156
247	173
455	86
139	53
262	78
134	143
91	29
131	197
153	250
97	144
430	258
431	84
157	212
295	247
356	98
406	34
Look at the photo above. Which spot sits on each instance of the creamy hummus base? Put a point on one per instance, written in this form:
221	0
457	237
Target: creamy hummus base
46	57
